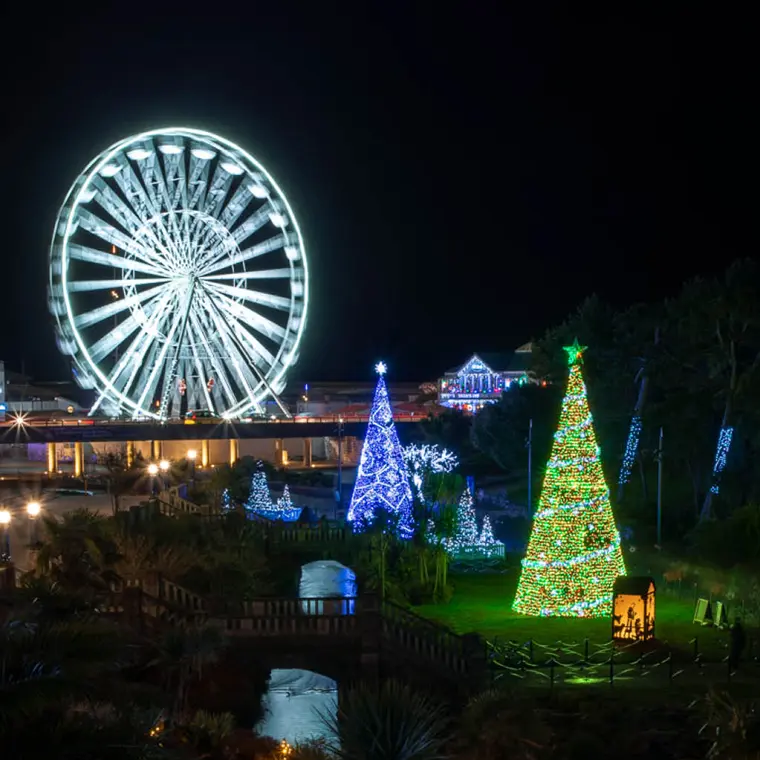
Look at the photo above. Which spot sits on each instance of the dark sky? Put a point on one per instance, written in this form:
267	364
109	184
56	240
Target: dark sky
463	176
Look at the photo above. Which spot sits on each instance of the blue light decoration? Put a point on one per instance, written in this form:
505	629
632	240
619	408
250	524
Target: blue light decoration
260	502
631	449
382	480
721	455
226	500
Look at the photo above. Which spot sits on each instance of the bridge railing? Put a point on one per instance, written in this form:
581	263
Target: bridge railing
426	639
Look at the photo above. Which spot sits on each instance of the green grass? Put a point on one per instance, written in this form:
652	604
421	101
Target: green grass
482	603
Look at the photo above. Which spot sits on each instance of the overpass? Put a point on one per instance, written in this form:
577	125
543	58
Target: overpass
93	429
78	432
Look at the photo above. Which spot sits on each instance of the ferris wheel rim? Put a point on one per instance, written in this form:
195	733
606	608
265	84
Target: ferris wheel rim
286	353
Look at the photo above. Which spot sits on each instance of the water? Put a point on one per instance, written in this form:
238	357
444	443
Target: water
296	704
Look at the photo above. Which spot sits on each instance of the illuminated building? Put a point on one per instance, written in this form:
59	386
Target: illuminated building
483	378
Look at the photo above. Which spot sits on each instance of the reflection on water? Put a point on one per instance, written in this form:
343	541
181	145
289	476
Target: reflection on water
293	703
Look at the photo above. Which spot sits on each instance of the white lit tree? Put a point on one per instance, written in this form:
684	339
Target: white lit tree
259	499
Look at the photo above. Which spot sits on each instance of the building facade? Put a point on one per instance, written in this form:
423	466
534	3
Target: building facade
483	378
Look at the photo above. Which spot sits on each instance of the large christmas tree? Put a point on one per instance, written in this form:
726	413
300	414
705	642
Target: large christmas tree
382	480
574	551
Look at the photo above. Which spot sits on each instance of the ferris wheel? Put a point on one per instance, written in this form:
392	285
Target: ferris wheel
178	278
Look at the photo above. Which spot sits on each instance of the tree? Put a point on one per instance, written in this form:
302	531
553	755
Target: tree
486	533
466	535
382	480
259	500
285	502
574	552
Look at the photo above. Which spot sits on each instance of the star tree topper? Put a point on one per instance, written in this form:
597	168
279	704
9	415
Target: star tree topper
381	368
575	352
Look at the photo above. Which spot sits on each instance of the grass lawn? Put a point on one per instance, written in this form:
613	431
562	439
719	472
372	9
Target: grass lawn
482	603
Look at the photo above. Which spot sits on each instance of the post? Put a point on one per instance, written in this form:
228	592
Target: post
530	468
52	459
307	459
155	448
130	454
659	491
234	451
278	446
339	492
205	454
78	459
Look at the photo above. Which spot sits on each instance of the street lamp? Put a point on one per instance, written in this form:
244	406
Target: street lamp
192	454
153	471
164	465
5	544
33	510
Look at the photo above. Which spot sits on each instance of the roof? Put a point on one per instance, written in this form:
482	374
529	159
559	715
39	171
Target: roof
632	584
510	361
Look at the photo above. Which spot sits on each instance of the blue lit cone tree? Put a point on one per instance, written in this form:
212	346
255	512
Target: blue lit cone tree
574	552
382	487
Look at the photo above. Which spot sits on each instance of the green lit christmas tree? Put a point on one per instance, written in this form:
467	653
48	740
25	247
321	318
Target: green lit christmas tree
574	551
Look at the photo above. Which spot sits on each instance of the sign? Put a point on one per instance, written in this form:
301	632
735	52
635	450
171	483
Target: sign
702	612
720	619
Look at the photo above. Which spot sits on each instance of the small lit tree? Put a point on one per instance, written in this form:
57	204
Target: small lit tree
259	499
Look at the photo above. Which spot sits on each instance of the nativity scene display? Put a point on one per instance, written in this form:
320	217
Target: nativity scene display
633	609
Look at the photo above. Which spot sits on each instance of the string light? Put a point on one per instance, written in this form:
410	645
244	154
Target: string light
572	560
468	541
721	455
426	459
260	501
382	480
631	449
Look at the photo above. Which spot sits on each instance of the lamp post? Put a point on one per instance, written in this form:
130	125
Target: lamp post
5	537
164	465
33	510
339	493
153	471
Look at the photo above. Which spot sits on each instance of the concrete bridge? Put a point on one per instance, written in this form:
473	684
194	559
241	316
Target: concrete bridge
344	638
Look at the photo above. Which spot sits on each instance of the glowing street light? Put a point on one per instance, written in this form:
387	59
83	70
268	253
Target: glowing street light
5	544
33	510
153	469
192	455
164	465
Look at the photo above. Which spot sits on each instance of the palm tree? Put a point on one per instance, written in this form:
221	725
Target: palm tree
389	722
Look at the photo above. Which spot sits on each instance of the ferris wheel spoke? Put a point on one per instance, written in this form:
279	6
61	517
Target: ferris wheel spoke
124	330
201	329
239	202
259	323
258	354
239	360
110	234
90	285
253	296
203	374
93	256
217	191
152	380
144	205
259	274
219	259
128	219
116	307
141	354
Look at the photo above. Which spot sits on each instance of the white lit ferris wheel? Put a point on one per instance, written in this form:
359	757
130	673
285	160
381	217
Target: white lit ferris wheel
178	278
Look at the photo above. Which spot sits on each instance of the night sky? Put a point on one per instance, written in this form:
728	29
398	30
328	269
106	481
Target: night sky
463	178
